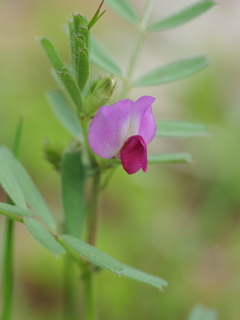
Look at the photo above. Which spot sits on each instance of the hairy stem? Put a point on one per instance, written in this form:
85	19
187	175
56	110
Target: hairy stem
137	48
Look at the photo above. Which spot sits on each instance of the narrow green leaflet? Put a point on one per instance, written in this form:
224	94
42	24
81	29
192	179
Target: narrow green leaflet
52	54
65	114
4	207
179	129
73	181
9	182
70	87
103	59
93	254
29	190
82	68
182	17
169	158
17	137
43	236
201	313
124	9
96	16
71	35
172	72
81	49
105	261
143	277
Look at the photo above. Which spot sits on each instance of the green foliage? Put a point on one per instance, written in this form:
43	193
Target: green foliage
201	313
70	87
79	34
169	158
9	182
82	68
96	16
28	189
103	260
182	17
17	137
5	207
143	277
93	254
180	129
73	182
53	154
172	72
103	59
42	235
65	114
124	9
52	54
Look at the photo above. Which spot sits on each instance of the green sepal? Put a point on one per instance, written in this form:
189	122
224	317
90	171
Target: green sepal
99	93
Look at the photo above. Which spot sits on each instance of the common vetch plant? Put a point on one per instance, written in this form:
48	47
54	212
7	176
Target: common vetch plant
107	131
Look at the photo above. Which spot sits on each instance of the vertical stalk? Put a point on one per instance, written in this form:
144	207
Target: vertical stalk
8	270
137	48
69	307
93	219
93	216
8	245
89	295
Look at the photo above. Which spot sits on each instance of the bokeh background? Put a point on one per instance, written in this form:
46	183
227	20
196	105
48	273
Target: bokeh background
180	222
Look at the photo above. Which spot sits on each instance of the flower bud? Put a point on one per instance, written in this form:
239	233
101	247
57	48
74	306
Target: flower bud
99	92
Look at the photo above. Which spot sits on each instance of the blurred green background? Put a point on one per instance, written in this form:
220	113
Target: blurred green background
179	222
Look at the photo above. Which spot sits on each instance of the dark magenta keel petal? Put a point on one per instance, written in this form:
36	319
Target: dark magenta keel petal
133	155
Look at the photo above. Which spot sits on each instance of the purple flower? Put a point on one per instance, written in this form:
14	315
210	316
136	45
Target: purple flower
124	130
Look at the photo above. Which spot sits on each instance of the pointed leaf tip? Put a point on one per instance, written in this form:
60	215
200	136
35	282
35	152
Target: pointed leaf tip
182	17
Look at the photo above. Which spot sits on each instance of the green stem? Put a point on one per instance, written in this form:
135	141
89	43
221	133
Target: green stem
89	295
8	270
8	243
70	300
93	216
137	48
